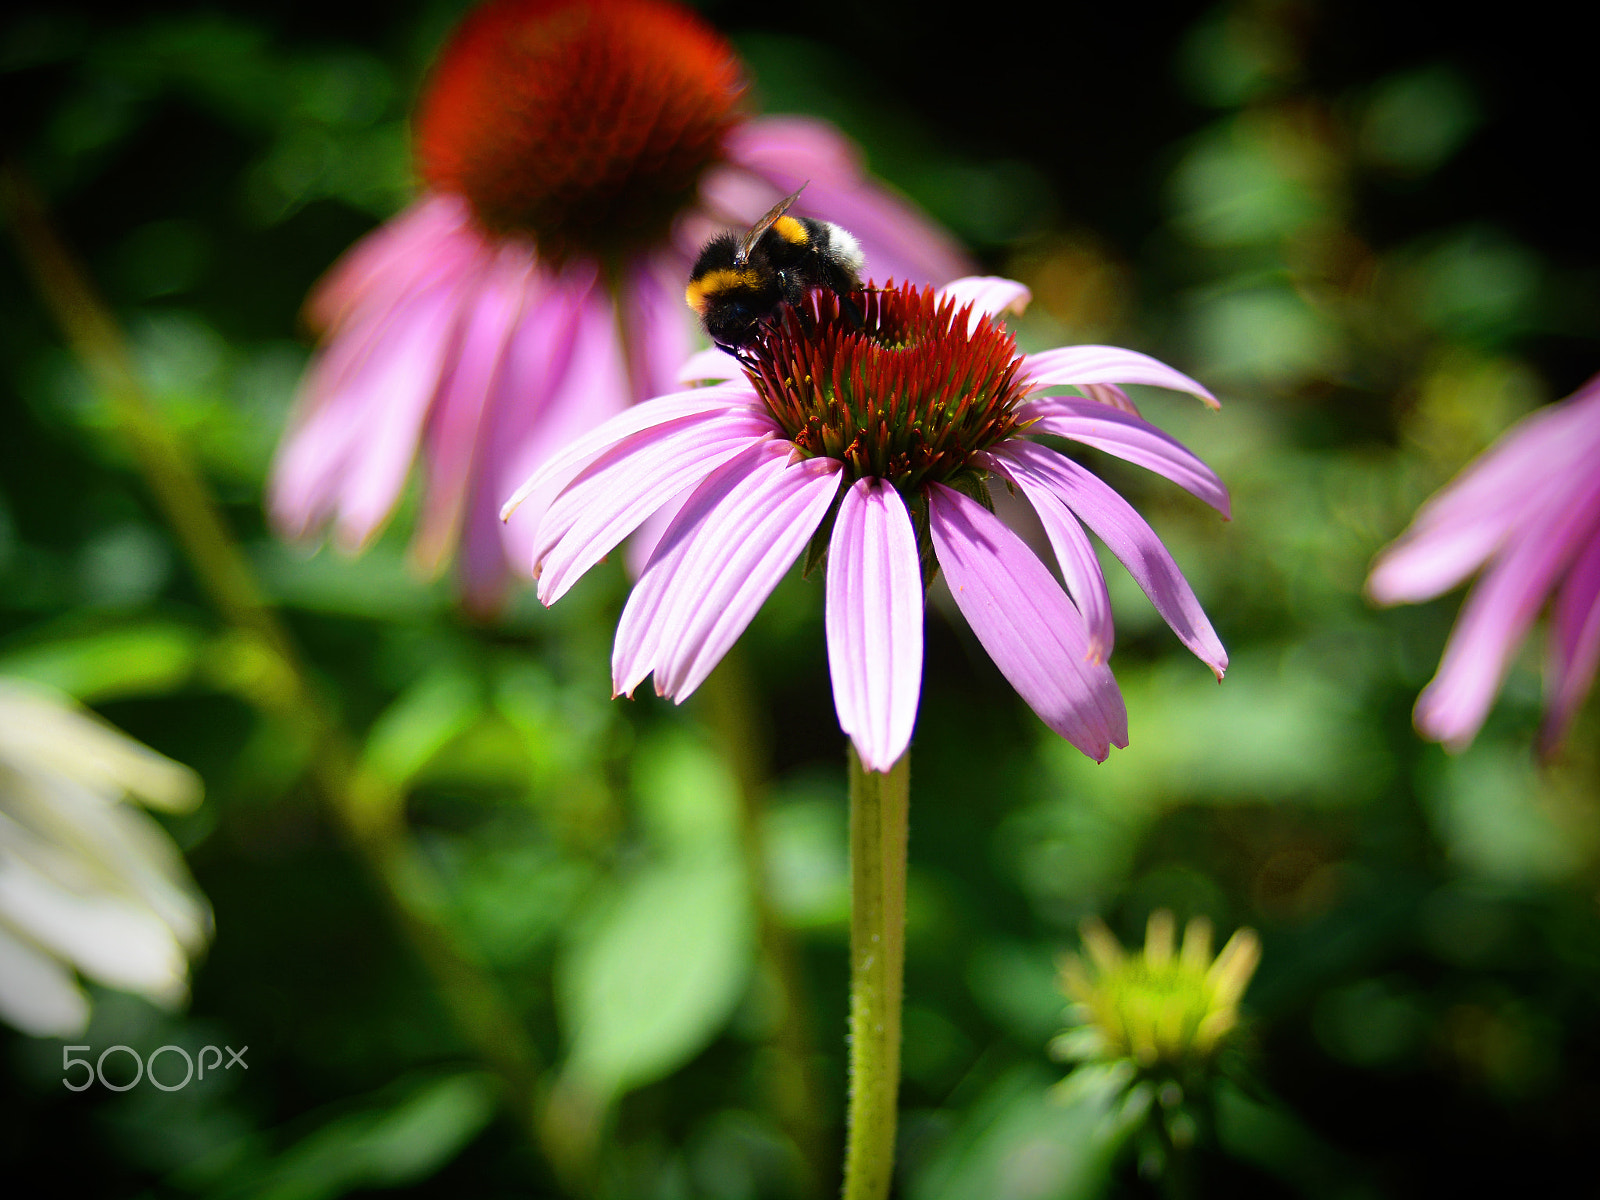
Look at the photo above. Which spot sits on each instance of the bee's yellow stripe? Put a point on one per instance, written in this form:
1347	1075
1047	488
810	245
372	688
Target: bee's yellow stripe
715	283
791	231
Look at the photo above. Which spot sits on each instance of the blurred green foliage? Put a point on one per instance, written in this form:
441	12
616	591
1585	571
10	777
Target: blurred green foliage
1338	219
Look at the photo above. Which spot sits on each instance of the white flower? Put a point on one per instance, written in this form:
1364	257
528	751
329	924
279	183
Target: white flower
88	884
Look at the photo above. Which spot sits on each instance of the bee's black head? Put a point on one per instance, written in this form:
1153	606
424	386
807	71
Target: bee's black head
719	254
732	296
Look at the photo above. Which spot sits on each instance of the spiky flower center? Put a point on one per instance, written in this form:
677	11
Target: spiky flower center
888	381
585	124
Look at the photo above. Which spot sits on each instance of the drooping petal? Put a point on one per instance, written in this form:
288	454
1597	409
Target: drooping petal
37	994
989	295
110	938
361	406
627	483
389	261
782	153
1110	393
451	444
735	538
1078	366
642	545
1080	567
1574	643
1128	437
562	467
658	327
873	617
1129	536
1498	613
562	373
1026	623
394	396
1425	564
112	843
1465	522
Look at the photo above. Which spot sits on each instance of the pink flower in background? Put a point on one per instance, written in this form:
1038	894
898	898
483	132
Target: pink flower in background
887	425
575	155
1527	512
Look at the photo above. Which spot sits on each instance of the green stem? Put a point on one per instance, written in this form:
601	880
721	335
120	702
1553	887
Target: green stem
367	811
878	814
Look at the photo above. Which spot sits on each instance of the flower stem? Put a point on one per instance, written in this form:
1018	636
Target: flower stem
878	814
367	810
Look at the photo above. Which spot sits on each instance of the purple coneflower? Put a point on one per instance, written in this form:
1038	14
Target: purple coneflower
1528	512
574	155
869	429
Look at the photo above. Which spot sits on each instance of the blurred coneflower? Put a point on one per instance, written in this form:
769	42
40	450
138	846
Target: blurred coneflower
1527	512
574	154
869	427
1152	1030
1165	1006
88	884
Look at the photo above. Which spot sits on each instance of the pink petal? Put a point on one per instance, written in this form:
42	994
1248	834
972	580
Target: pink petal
785	152
388	357
873	611
1466	521
1110	393
627	483
709	365
392	398
989	296
1080	566
1499	611
385	264
563	466
735	538
454	426
352	343
1128	437
1574	643
642	545
560	375
657	325
1128	535
1026	623
1076	366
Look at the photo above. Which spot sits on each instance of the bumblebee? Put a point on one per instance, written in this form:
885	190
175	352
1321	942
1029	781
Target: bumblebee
738	282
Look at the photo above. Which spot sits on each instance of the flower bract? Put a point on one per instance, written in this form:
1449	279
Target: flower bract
1151	1030
1167	1005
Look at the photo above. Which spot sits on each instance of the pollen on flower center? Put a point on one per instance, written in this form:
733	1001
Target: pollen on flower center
585	124
888	381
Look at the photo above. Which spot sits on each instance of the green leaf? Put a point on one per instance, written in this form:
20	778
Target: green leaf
1025	1142
400	1140
127	661
425	718
687	798
658	974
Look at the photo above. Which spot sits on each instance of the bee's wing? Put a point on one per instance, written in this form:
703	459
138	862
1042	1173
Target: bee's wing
747	243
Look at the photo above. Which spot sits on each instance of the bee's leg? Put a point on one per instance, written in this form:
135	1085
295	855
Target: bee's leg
747	357
851	311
